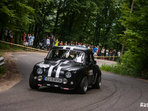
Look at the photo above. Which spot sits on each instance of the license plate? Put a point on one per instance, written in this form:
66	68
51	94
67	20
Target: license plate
52	79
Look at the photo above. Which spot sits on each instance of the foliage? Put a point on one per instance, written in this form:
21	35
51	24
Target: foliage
87	21
136	40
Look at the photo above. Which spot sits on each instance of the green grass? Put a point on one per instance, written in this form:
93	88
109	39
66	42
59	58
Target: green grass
6	47
3	70
123	70
111	68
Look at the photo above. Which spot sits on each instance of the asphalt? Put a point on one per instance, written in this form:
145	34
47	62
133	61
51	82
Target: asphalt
118	93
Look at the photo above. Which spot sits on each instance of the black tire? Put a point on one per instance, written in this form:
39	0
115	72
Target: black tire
32	82
97	84
83	86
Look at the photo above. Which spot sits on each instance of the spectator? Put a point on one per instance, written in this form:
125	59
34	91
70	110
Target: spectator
98	51
7	35
119	54
102	52
51	42
26	40
31	39
61	43
113	54
56	42
54	39
48	42
107	53
95	49
65	43
11	37
23	38
110	55
79	45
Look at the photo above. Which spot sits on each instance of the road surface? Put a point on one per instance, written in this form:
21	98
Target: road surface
118	93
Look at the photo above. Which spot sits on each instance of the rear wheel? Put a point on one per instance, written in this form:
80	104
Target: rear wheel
83	86
32	82
98	82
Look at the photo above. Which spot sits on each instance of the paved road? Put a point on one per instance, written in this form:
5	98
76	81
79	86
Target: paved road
118	93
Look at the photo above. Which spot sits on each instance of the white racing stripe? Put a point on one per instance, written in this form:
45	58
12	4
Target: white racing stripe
59	69
51	68
58	72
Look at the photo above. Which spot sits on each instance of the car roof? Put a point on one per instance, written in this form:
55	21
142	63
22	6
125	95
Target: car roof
73	48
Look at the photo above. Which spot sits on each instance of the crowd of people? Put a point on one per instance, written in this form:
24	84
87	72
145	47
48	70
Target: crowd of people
103	53
50	41
28	39
8	36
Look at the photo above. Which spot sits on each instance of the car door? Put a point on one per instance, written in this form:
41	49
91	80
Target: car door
91	68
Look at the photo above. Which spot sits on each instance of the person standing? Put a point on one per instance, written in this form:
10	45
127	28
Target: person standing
26	39
119	54
6	35
107	53
11	37
23	38
95	50
114	54
56	43
51	42
102	52
48	42
31	39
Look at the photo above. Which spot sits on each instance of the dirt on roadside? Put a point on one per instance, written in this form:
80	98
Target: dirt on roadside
12	76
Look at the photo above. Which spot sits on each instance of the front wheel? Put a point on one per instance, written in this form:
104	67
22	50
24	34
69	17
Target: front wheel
32	82
83	86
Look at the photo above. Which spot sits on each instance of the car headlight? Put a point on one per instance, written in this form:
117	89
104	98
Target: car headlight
68	75
39	71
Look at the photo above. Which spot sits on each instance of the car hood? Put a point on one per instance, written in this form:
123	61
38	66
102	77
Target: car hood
69	65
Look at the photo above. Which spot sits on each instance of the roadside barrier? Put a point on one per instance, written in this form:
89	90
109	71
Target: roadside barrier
2	61
22	46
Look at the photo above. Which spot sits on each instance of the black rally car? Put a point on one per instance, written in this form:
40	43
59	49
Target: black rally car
67	67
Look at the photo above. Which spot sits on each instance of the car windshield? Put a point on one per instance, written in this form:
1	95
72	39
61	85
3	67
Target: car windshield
77	56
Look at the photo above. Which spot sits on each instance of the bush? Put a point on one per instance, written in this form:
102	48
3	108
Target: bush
132	64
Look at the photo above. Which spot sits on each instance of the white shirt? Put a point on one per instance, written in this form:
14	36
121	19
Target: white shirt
48	41
118	54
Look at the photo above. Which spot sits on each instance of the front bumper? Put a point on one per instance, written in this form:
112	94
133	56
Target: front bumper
69	85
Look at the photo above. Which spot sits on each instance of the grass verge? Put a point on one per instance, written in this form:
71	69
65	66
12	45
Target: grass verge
3	70
123	70
7	48
111	68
